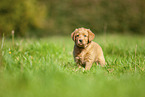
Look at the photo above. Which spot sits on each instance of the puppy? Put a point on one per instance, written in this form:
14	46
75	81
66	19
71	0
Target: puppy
86	52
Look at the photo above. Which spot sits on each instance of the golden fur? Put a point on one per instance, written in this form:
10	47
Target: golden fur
86	52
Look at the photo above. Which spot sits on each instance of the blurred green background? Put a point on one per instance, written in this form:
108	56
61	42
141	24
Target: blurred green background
60	17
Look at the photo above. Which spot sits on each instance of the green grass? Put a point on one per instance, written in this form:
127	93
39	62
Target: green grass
45	68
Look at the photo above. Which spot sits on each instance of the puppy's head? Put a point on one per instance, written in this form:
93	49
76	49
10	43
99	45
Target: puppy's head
82	37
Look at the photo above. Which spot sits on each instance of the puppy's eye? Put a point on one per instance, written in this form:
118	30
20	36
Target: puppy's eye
85	36
77	35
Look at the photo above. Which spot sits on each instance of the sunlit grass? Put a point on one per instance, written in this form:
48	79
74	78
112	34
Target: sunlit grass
45	68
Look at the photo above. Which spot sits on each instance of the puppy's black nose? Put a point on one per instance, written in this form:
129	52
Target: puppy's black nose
80	40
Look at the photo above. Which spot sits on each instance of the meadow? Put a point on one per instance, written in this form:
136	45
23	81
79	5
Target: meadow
45	68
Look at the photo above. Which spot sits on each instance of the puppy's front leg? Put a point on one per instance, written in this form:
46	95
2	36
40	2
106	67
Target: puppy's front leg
77	60
88	65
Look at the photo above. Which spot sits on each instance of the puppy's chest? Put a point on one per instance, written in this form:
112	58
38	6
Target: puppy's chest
82	57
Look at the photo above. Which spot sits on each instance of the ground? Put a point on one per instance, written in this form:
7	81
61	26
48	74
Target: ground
45	68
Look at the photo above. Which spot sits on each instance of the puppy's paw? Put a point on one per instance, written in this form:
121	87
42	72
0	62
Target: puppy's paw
83	70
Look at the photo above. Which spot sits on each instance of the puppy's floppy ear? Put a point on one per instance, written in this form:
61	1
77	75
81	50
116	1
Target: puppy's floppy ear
91	35
73	35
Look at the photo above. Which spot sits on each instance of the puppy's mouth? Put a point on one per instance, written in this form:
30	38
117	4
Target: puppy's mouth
80	44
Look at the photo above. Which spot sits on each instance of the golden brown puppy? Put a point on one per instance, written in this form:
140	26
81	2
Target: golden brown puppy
86	52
